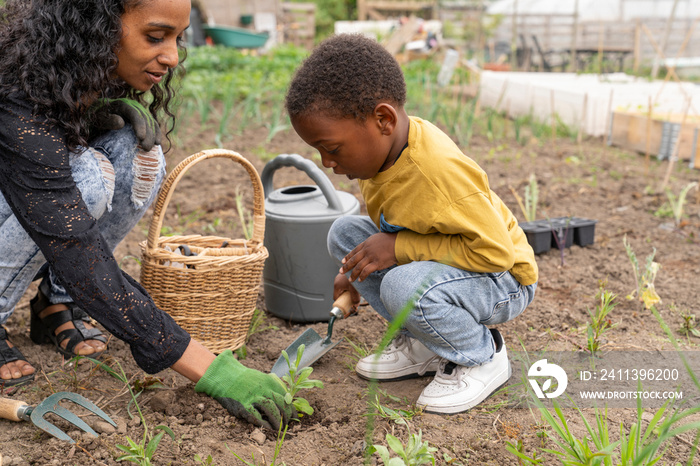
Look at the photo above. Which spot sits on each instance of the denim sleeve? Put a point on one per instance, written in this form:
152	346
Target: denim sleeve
36	180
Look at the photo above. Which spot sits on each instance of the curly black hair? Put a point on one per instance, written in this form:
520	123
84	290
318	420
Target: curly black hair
346	76
63	55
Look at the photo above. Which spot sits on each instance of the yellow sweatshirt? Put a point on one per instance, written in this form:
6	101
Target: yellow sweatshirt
439	201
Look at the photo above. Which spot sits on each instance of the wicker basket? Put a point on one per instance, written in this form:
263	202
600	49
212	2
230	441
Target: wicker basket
212	294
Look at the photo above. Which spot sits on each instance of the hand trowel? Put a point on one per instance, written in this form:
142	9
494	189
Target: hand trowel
315	345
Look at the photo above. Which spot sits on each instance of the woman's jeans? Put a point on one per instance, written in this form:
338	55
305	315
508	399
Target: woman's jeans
117	181
451	307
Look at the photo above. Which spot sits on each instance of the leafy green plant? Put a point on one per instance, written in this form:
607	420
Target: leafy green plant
689	325
208	461
296	380
529	206
677	203
415	452
140	452
644	280
599	323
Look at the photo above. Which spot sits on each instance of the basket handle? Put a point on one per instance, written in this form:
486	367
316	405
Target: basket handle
166	192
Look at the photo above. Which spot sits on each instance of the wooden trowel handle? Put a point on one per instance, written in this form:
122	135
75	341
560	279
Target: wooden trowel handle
344	304
10	409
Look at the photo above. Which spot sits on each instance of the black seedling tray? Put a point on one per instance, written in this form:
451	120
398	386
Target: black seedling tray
541	233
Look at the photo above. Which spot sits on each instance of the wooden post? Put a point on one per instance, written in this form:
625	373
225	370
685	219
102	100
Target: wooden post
647	157
637	45
601	39
514	37
667	33
608	117
582	124
553	115
362	10
573	66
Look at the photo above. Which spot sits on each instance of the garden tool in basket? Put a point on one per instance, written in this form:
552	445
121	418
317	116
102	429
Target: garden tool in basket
16	410
315	346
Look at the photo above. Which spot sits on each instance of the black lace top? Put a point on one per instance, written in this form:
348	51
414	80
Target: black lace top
36	180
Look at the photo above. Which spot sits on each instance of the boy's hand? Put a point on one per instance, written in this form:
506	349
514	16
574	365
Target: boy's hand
375	253
248	394
341	284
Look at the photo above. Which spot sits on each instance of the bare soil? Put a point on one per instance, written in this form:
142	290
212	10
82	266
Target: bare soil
590	180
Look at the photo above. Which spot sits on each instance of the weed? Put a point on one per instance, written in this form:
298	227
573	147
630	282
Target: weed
297	380
208	461
600	323
142	452
415	452
398	416
360	350
677	203
645	291
689	325
257	325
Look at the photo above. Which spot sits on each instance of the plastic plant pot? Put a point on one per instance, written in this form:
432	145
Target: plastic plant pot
539	236
584	231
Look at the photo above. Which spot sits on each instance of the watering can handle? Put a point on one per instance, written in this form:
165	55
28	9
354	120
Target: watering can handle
307	166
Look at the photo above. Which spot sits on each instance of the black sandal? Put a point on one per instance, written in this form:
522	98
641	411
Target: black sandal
43	330
10	354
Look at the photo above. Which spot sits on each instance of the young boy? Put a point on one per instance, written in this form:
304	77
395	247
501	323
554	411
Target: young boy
436	238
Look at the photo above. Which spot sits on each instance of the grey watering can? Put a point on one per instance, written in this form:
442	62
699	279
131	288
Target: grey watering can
298	275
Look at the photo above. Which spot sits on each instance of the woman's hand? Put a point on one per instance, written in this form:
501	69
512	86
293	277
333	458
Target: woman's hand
246	393
113	114
375	253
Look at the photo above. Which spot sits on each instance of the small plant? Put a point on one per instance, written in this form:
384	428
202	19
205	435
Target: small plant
415	452
529	207
142	452
600	323
677	203
645	291
208	461
398	416
689	325
560	236
278	448
297	380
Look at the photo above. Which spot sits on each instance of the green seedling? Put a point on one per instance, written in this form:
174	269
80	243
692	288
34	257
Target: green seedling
677	203
297	380
529	206
644	280
208	461
689	325
600	324
415	452
140	452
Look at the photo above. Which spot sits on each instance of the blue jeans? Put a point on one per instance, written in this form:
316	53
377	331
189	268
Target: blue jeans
117	182
451	307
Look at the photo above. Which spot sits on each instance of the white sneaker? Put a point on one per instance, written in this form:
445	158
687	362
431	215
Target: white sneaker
456	389
403	358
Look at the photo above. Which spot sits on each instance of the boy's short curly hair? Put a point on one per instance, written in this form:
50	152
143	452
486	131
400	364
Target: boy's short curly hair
346	76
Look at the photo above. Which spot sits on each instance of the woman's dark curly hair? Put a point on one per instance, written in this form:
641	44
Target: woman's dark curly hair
346	76
63	54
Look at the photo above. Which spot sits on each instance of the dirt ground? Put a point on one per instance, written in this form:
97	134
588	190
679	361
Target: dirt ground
590	180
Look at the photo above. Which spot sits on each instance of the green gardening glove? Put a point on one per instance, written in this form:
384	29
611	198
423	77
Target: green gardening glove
246	393
112	114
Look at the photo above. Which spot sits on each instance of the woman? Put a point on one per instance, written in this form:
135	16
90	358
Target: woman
79	165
